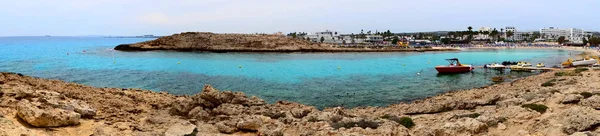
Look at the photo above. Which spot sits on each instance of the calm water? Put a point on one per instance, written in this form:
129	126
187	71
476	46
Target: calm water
363	79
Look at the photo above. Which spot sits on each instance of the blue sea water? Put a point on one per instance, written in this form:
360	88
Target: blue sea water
318	79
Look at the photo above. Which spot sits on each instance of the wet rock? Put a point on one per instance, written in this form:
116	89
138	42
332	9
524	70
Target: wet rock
199	113
181	106
38	115
227	127
571	98
203	128
229	109
250	123
181	129
593	102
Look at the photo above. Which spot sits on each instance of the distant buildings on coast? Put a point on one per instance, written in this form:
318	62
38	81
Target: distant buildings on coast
482	35
142	36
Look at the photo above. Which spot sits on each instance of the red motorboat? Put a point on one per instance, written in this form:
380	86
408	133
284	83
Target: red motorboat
454	67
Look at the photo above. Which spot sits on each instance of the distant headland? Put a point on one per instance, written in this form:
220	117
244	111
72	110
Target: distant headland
206	41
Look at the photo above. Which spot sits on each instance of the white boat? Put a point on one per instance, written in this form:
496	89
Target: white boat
524	64
584	62
495	66
596	66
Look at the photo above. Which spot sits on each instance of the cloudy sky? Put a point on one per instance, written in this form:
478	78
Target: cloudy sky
163	17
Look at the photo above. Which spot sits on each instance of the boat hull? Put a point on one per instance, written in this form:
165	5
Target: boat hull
453	69
584	63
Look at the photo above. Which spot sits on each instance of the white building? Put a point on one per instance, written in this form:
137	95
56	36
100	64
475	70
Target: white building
328	36
572	34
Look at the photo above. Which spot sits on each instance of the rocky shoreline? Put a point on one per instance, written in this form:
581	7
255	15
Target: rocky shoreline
210	42
552	103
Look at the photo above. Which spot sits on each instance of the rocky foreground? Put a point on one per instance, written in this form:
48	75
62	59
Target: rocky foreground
566	103
206	41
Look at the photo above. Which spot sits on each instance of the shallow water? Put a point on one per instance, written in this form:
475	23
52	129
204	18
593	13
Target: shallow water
319	79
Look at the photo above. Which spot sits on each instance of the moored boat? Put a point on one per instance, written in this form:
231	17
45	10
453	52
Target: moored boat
585	62
495	66
539	65
454	67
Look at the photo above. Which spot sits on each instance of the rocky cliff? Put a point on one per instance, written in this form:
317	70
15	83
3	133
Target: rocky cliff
546	104
205	41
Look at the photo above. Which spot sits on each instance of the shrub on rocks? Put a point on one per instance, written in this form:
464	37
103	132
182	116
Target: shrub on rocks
547	84
586	94
362	123
579	70
536	107
404	121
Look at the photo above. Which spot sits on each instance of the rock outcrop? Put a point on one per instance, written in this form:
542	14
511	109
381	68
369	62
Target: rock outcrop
206	41
517	108
41	115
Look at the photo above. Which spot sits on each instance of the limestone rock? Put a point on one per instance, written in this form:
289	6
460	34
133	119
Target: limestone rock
210	94
39	115
181	106
511	102
250	123
82	108
463	126
271	130
227	127
579	118
587	133
229	109
300	113
571	98
180	129
206	128
199	113
501	126
593	102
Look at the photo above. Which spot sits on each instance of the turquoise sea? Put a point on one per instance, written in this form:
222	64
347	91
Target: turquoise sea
318	79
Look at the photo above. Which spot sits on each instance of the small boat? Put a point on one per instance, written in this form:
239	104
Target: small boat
585	62
454	67
520	68
596	66
540	65
495	66
524	64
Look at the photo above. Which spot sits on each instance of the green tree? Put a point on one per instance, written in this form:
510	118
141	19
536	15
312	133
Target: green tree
395	40
585	40
445	40
594	41
322	39
307	39
561	40
495	34
509	34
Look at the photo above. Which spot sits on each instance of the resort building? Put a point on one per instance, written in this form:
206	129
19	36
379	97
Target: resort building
328	36
574	35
